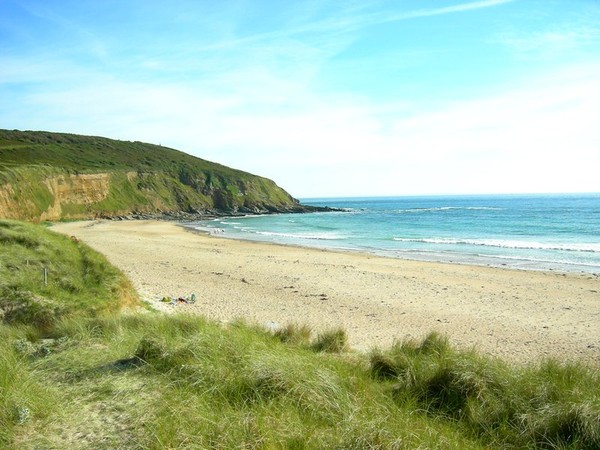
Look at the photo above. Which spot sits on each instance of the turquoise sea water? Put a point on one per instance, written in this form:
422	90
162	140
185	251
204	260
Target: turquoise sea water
540	232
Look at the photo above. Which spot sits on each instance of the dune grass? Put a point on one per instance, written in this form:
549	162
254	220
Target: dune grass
97	377
45	276
549	405
153	381
149	381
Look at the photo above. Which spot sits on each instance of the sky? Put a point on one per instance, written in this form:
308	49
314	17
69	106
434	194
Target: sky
325	97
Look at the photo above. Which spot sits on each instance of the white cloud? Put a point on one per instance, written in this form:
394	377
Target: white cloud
540	136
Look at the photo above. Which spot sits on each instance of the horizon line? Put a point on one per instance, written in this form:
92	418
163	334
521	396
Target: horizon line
496	194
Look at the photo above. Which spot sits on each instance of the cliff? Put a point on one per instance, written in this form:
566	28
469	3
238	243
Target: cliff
52	176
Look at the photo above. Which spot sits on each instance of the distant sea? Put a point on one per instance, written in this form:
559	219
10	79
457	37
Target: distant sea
536	232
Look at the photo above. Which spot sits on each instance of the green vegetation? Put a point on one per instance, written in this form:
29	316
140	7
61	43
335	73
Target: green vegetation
138	177
93	154
45	276
332	341
546	406
98	377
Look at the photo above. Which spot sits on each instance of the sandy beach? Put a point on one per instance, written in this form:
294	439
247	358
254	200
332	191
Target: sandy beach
520	316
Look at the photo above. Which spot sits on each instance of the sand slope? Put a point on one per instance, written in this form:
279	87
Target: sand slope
517	315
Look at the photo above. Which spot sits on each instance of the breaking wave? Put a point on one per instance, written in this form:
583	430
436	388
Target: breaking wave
499	243
309	236
446	208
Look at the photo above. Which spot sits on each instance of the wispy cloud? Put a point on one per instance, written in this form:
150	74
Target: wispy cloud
428	12
555	40
78	36
574	32
351	20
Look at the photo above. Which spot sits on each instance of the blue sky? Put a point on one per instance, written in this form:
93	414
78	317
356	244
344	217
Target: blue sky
327	98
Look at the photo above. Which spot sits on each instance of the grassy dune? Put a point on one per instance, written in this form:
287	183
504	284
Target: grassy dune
99	376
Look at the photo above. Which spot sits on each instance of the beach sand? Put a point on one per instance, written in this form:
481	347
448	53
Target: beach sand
520	316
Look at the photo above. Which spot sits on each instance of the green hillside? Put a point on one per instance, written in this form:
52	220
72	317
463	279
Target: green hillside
51	176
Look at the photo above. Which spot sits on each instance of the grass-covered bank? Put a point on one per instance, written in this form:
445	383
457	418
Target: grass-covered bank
96	377
45	276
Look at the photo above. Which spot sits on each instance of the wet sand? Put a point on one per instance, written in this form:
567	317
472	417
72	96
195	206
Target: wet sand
520	316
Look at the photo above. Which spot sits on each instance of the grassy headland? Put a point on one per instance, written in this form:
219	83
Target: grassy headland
51	176
99	376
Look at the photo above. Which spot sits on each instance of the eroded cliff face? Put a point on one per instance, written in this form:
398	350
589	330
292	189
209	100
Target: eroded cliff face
83	189
9	208
22	200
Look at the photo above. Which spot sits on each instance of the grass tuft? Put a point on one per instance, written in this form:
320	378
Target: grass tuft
383	366
24	398
331	341
294	333
149	350
20	306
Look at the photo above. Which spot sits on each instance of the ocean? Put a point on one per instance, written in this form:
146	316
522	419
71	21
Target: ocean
535	232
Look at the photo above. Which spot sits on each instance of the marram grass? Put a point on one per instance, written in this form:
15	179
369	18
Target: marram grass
45	276
550	405
183	382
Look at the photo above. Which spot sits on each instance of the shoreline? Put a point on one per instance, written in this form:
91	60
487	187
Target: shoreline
518	315
478	260
381	254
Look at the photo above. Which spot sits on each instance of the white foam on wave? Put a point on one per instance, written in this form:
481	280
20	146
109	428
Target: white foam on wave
499	243
311	236
253	231
529	259
446	208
